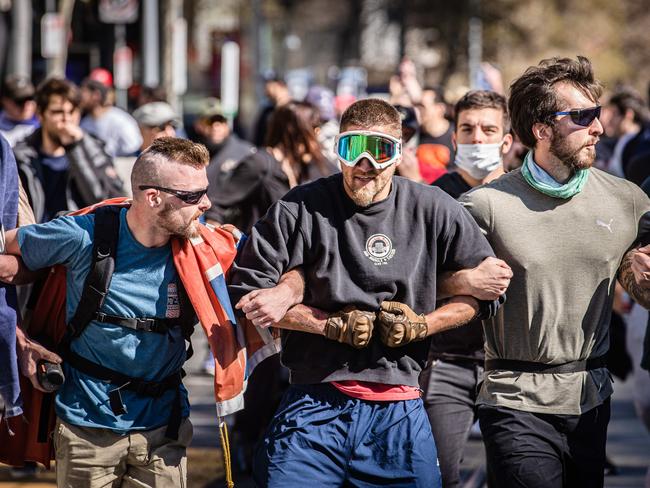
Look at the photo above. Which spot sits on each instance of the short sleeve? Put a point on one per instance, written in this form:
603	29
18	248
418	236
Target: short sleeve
59	241
274	247
477	203
462	244
641	214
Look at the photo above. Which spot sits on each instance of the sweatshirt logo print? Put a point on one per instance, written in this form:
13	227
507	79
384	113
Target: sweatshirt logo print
608	226
379	249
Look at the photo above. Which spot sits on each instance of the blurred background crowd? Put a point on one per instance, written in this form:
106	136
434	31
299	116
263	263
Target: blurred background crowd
262	84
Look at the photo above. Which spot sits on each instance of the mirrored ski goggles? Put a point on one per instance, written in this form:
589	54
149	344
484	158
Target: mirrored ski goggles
381	150
583	117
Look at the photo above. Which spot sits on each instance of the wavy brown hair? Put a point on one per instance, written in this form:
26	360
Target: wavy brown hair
56	86
533	98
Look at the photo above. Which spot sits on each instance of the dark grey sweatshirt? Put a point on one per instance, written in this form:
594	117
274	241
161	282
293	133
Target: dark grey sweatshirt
358	256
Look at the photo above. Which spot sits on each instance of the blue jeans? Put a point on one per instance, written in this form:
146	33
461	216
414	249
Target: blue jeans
321	437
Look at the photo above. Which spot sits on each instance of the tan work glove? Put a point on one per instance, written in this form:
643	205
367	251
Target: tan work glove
399	324
350	326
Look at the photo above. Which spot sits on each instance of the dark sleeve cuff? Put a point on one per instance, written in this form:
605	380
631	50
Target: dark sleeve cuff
645	359
488	309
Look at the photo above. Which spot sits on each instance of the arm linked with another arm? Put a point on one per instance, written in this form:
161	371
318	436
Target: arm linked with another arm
634	275
12	268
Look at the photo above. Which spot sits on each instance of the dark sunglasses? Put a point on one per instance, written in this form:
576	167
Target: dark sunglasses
583	117
161	127
23	101
189	197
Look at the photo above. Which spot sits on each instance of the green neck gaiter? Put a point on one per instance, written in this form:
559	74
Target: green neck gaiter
567	190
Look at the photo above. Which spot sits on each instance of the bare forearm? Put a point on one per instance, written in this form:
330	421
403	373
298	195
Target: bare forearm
295	283
304	319
14	272
452	283
456	312
640	294
487	281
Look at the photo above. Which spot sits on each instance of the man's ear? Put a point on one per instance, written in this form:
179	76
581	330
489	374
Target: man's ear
152	197
507	144
542	132
453	141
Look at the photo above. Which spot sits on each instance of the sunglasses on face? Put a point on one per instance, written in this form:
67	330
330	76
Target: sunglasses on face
161	127
23	101
381	150
583	117
189	197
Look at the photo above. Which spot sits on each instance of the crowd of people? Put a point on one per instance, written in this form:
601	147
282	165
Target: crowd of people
373	278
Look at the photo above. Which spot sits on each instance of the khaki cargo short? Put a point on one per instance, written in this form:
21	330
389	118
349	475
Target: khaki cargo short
94	458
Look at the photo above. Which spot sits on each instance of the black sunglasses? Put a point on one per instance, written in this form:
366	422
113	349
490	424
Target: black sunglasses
189	197
584	116
23	101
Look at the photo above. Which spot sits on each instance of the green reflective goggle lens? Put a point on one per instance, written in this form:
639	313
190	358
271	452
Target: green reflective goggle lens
382	150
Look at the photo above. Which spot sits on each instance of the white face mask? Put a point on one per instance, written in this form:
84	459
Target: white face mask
479	160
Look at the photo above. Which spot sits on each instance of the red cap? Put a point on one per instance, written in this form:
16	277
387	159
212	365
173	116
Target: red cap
103	76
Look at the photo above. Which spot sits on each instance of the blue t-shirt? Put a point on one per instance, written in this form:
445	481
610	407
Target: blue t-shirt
144	284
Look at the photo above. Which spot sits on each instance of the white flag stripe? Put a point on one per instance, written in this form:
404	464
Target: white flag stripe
214	272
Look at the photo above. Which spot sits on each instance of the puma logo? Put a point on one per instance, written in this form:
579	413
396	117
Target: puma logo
607	226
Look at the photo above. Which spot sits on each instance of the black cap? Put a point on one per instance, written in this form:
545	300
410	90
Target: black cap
18	88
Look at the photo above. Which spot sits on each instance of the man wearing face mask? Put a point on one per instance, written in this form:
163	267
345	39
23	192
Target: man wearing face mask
481	138
451	381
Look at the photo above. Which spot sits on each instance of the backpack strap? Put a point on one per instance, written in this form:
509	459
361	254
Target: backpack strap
146	324
121	381
105	241
106	235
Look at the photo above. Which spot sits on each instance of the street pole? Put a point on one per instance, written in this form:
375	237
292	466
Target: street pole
230	81
256	37
121	98
59	62
173	10
150	44
21	38
475	43
50	7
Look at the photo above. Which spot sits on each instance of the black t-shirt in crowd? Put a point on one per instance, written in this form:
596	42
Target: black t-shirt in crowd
53	172
358	256
452	184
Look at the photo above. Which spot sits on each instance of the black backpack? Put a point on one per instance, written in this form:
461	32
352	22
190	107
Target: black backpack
107	225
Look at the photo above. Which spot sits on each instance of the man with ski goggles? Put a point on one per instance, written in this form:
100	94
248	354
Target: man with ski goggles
382	149
372	247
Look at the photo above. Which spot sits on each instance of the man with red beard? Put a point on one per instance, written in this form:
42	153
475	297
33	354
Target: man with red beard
371	246
566	230
134	432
